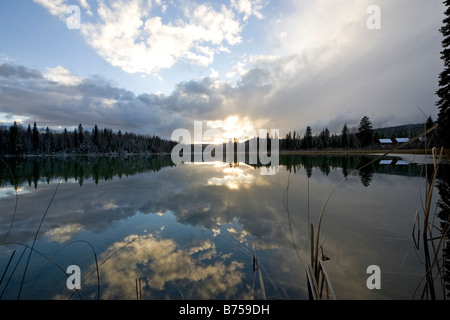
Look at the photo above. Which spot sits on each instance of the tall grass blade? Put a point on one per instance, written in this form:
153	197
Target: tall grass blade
16	202
416	225
7	266
42	255
35	238
261	282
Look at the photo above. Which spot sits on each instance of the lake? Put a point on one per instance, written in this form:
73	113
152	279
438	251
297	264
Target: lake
141	227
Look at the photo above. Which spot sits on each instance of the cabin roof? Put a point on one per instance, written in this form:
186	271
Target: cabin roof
402	140
399	162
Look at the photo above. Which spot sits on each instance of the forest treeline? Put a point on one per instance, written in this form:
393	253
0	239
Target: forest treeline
17	141
363	136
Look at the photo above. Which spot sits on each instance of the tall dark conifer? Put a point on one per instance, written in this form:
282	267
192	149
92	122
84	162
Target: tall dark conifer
443	92
95	136
80	134
365	132
344	136
14	144
35	138
308	137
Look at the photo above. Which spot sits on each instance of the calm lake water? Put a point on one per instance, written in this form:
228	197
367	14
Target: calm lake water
191	231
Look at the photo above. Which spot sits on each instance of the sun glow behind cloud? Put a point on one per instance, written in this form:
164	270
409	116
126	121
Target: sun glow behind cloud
234	127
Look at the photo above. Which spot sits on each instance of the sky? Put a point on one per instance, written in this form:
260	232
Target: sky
152	67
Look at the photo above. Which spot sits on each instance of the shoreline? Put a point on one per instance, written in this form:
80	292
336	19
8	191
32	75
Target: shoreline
445	154
93	155
364	152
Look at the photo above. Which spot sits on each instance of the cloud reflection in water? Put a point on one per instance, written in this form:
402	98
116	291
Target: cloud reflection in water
168	271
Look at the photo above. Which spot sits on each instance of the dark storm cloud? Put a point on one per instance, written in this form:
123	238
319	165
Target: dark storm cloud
201	99
26	92
10	71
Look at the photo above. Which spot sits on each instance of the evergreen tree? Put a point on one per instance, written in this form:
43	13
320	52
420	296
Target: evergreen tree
14	142
66	140
344	136
35	138
28	140
326	138
365	132
47	144
428	125
3	143
95	137
80	134
443	92
76	144
288	141
308	137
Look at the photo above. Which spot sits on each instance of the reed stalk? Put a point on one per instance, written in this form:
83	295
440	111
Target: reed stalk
431	255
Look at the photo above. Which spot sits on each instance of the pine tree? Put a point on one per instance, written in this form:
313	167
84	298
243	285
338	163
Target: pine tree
326	138
76	144
95	137
66	140
35	138
15	146
308	137
344	136
80	134
443	92
28	143
365	132
47	144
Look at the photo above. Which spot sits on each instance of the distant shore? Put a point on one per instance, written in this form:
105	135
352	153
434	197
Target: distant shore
446	153
362	151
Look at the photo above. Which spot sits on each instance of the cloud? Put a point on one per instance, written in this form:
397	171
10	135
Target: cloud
86	6
129	34
62	75
61	99
248	7
127	38
12	72
323	69
327	65
55	7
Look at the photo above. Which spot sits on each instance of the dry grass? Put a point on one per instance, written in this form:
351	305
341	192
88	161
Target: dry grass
432	245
